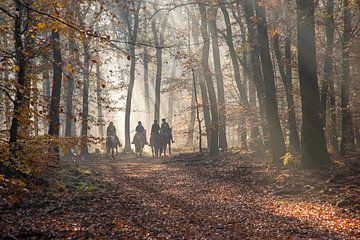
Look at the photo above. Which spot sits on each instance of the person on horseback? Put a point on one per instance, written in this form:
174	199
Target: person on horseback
165	127
140	129
155	128
111	130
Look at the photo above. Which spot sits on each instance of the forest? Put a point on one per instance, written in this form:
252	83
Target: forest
180	119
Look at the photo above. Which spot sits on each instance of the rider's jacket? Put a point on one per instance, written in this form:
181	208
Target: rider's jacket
111	130
165	127
155	129
140	129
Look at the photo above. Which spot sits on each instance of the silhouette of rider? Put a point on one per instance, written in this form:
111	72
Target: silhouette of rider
165	127
111	130
155	128
140	129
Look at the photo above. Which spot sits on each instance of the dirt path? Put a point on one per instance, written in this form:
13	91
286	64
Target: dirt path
178	198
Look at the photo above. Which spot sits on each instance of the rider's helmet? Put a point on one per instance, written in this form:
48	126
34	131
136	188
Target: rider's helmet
164	119
139	122
111	123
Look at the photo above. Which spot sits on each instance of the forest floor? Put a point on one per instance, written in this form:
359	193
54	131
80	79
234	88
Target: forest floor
233	196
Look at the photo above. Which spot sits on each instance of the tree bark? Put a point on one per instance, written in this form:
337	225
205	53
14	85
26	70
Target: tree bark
54	125
74	57
255	66
286	77
133	32
314	152
327	90
99	96
219	78
85	98
276	137
172	93
158	32
20	75
195	28
214	134
347	134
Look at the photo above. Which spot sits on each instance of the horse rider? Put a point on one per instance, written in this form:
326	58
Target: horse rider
155	128
165	128
140	129
111	130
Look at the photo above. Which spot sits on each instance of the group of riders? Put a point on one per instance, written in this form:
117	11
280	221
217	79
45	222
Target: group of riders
156	129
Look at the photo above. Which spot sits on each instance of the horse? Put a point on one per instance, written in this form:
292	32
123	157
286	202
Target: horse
165	140
139	141
111	144
156	145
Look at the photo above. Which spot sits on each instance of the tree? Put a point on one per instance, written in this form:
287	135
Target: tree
276	137
219	78
21	65
158	28
132	23
285	68
327	90
214	134
314	152
347	134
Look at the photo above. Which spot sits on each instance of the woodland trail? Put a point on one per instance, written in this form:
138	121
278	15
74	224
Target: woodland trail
184	197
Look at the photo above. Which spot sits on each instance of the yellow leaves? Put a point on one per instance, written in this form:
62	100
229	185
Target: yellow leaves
287	158
41	26
16	68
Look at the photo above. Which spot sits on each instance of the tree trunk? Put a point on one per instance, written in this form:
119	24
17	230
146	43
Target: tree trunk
146	80
219	78
347	134
286	77
54	125
327	90
214	134
276	137
172	93
255	65
21	64
158	32
70	89
46	90
194	106
314	152
85	98
195	28
99	96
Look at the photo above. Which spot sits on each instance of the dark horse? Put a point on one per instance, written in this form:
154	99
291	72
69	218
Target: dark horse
166	141
156	145
139	141
159	143
111	144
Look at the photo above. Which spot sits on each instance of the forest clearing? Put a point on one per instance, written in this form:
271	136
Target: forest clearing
180	119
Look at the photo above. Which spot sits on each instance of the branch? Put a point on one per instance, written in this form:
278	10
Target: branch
6	12
7	94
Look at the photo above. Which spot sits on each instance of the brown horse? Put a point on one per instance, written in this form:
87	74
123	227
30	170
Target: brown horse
139	141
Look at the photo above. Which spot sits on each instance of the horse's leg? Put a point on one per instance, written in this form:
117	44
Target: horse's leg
170	148
112	153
